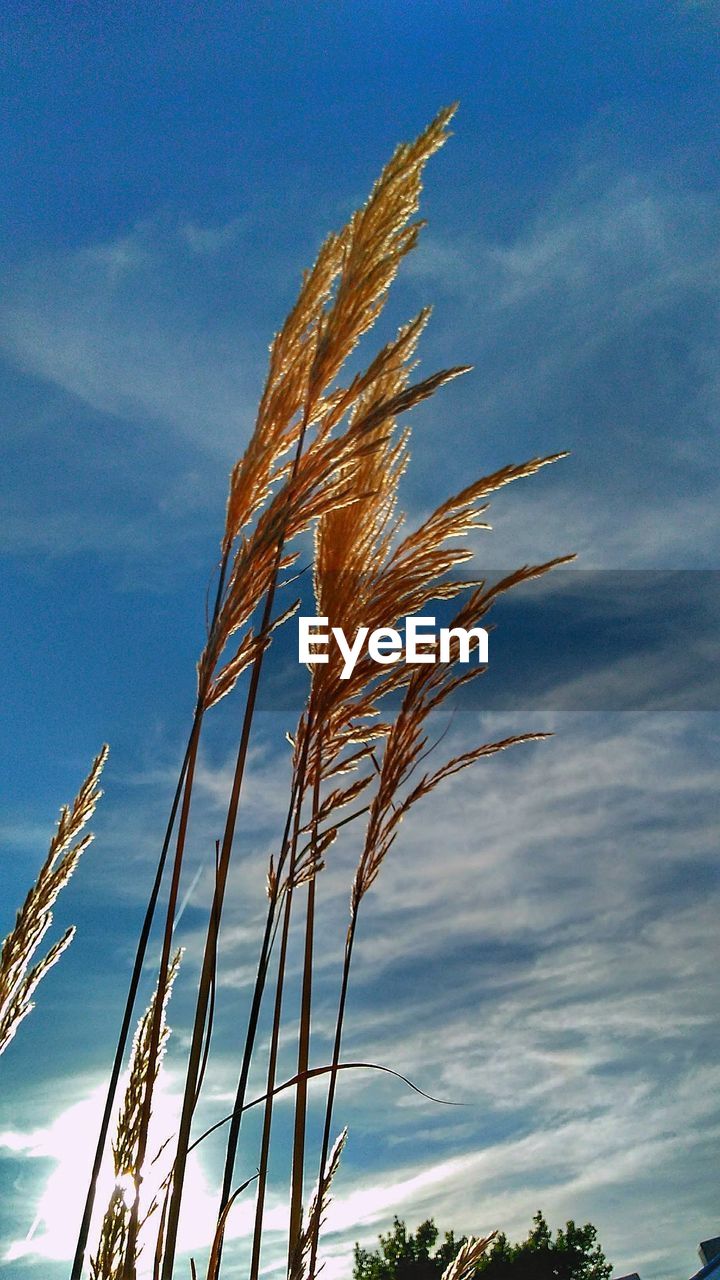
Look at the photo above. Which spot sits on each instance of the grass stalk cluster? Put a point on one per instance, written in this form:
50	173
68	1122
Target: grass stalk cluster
326	456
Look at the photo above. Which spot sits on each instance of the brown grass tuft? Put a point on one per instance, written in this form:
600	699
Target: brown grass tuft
326	454
465	1261
108	1261
300	1265
18	981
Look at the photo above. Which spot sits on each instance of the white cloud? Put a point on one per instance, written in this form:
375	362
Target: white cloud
594	328
67	1144
210	239
554	969
543	937
124	327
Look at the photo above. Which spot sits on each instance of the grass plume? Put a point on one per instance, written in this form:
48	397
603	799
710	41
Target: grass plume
326	456
340	299
19	978
464	1264
298	1268
108	1260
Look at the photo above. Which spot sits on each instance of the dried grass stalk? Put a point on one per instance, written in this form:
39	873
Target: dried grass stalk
340	299
349	540
213	1268
300	1264
360	574
406	746
466	1259
18	981
107	1264
407	743
327	455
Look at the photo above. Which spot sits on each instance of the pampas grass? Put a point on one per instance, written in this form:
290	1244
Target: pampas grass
327	455
18	980
340	299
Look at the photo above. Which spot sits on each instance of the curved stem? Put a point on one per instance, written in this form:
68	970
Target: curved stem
314	1073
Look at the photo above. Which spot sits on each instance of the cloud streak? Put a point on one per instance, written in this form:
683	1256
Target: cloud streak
554	971
594	327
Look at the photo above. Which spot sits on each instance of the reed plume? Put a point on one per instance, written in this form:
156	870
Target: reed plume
326	454
108	1261
348	542
363	570
300	1262
464	1264
18	981
407	742
358	267
306	357
369	477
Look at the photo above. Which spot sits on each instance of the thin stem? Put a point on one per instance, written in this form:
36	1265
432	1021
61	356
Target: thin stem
161	1232
260	979
272	1068
213	991
156	1028
140	953
190	1093
206	978
277	1014
349	943
298	1161
124	1033
314	1073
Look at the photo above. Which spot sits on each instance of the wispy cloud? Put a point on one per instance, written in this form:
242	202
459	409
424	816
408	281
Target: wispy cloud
554	971
594	328
143	327
542	944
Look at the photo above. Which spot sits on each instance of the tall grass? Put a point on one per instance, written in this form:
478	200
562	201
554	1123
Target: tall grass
463	1265
327	454
19	978
112	1244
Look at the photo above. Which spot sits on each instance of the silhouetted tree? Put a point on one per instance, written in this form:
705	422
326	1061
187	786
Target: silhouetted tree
404	1256
574	1254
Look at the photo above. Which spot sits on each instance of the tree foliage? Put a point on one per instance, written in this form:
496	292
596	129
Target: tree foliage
573	1254
406	1256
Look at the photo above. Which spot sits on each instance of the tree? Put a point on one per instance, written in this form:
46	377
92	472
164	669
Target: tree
406	1257
574	1254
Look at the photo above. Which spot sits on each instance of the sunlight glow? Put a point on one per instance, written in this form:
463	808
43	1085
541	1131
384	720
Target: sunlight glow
126	1185
69	1141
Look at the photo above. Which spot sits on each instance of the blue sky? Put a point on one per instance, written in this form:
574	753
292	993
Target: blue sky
170	170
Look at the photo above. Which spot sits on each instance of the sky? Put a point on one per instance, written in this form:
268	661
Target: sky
542	946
